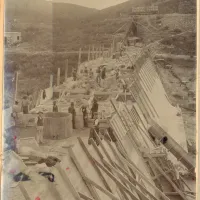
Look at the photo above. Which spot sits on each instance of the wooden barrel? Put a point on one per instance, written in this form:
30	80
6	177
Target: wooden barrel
57	125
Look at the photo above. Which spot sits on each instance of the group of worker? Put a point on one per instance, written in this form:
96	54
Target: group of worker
25	106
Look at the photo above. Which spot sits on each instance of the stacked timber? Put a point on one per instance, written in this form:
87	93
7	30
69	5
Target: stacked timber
57	125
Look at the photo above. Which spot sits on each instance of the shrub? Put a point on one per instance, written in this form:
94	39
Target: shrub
177	30
165	28
166	41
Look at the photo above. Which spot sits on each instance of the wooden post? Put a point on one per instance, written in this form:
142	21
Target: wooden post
79	57
16	84
111	49
51	81
66	70
93	52
113	45
96	53
89	54
100	50
58	77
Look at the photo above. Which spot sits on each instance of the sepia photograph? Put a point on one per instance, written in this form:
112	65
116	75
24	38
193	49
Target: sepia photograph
99	100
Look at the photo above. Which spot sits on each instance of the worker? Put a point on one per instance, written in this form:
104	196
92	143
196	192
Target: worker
94	109
55	107
86	71
44	94
25	105
110	132
74	74
73	112
103	73
39	125
85	115
94	130
98	78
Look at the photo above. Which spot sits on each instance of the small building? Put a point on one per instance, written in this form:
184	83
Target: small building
11	38
145	10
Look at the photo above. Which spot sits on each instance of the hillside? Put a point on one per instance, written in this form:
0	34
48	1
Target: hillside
28	12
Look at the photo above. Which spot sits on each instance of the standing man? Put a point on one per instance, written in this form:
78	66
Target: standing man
73	112
39	124
103	74
55	107
25	105
85	115
94	109
86	71
44	94
98	78
74	74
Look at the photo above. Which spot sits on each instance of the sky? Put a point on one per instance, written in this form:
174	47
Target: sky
98	4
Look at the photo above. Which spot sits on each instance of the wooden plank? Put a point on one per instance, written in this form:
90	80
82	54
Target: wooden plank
91	189
122	186
93	164
154	155
135	168
58	77
83	196
131	178
24	192
172	193
166	176
116	155
134	181
126	181
101	156
109	158
101	188
157	176
67	181
66	70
